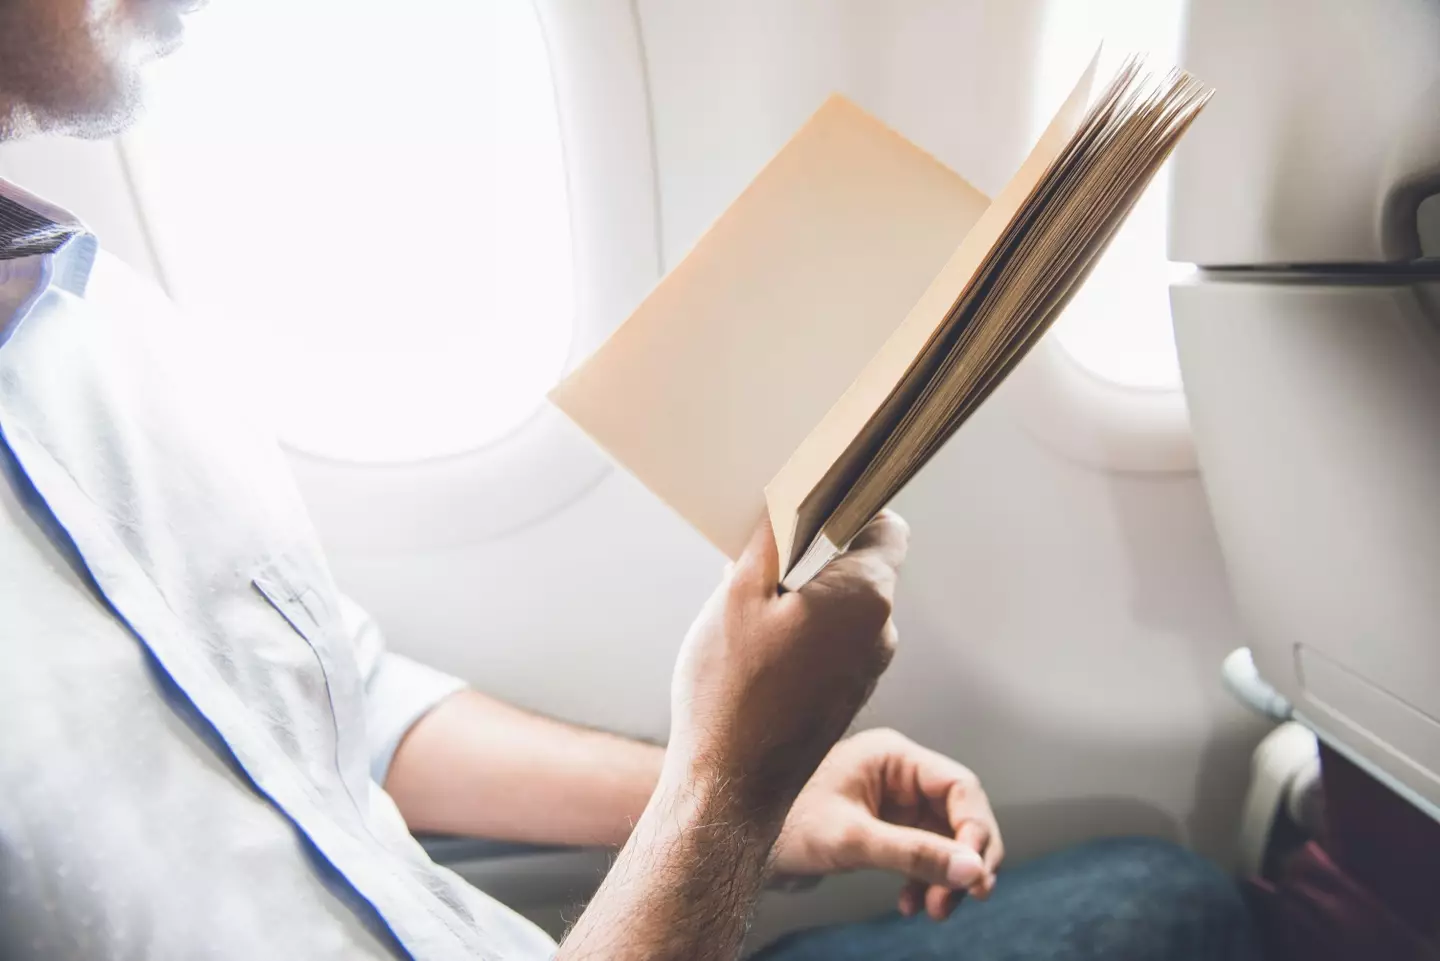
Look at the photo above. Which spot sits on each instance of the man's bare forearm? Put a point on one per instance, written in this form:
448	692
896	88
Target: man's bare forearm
685	884
476	766
764	685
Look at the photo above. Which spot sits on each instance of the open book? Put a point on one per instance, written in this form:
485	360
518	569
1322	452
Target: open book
853	307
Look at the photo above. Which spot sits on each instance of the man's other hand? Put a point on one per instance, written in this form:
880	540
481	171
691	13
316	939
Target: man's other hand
880	800
766	683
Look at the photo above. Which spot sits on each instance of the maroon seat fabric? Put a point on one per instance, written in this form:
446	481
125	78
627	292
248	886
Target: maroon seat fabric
1368	889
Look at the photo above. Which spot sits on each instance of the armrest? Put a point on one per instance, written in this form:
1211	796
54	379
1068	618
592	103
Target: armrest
451	849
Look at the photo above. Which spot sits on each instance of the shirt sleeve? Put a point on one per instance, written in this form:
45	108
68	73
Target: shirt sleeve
398	690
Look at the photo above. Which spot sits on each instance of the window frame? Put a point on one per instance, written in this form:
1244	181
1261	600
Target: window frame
1098	423
544	464
1086	417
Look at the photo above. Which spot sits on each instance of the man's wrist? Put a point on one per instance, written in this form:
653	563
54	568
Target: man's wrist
686	881
709	790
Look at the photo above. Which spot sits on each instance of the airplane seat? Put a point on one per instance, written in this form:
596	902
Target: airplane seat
1284	803
1337	865
1309	347
1349	869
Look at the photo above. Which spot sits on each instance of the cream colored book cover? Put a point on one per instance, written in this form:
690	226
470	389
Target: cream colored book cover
853	307
732	360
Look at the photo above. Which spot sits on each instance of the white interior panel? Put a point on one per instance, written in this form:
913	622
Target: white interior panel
1330	162
1315	401
1061	626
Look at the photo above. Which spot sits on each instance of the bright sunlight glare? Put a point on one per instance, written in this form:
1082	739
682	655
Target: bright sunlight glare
375	193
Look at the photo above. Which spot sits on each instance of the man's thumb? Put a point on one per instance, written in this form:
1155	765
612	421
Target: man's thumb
923	855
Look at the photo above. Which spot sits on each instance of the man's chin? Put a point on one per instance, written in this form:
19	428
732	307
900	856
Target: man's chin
101	126
83	82
103	114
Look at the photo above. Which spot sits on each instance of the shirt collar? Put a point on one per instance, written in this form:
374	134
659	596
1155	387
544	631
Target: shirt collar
33	227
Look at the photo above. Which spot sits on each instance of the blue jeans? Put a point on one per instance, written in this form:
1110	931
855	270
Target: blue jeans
1130	899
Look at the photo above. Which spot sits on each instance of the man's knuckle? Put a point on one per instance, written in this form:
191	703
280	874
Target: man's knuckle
874	601
851	841
885	736
885	741
890	637
899	528
902	526
897	741
926	862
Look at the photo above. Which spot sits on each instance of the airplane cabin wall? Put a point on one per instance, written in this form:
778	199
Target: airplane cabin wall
1061	625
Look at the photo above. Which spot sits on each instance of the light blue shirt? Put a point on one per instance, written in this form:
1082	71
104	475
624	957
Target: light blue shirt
194	721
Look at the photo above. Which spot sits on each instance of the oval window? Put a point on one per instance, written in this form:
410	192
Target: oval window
374	193
1118	325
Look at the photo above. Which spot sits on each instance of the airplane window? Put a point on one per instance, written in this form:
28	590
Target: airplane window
1118	326
376	193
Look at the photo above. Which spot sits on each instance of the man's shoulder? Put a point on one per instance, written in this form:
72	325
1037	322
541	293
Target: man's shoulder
115	285
216	358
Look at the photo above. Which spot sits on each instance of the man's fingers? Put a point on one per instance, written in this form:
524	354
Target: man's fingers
977	836
936	900
874	556
912	896
994	852
981	891
887	535
760	562
940	901
922	856
880	546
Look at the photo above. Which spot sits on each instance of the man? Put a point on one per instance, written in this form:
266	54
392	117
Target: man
197	724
